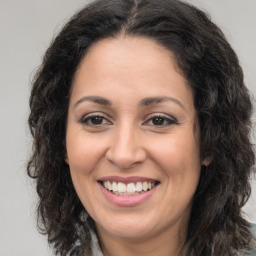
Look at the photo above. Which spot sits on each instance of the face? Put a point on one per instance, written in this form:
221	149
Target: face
133	139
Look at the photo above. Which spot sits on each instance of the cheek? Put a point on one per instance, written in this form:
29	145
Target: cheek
178	154
83	158
82	154
179	159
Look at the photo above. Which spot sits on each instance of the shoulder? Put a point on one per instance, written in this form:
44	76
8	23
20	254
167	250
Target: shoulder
252	251
253	230
77	251
94	247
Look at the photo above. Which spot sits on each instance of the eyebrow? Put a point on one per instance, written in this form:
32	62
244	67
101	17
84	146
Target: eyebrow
144	102
155	100
95	99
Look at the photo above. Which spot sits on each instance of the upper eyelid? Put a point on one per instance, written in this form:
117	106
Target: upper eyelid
92	114
163	115
146	118
167	118
87	119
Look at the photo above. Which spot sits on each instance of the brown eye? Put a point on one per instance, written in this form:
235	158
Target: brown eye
158	121
95	120
161	121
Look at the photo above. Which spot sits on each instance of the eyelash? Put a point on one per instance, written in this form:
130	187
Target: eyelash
164	120
88	118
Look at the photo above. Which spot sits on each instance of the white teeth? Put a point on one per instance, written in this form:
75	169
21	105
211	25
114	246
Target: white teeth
121	187
109	185
139	186
114	187
129	189
145	186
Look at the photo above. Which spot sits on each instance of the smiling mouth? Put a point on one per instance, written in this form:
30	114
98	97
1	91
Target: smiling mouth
129	189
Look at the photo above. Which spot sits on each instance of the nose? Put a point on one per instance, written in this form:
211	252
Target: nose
126	148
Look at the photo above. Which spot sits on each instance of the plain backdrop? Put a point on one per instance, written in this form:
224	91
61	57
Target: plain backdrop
26	29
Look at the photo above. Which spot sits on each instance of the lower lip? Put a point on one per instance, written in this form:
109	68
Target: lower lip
127	200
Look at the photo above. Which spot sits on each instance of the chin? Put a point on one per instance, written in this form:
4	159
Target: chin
127	228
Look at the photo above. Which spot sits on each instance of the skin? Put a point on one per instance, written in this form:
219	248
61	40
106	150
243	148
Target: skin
127	141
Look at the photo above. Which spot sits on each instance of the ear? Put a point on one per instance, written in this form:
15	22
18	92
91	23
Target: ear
206	161
66	159
66	155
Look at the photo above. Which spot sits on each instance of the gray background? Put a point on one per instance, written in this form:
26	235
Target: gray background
26	28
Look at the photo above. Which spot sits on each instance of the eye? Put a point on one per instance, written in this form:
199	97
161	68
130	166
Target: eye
160	120
95	120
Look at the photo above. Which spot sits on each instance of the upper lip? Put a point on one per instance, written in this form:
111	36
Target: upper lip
126	180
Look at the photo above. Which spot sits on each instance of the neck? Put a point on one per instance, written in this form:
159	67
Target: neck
168	243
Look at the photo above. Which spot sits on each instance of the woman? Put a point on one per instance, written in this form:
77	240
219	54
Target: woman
141	123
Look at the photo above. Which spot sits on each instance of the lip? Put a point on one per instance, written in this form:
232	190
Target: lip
126	180
126	201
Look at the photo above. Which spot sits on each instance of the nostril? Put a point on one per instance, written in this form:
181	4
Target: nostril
125	159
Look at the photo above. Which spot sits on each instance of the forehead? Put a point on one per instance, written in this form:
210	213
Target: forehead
133	64
129	50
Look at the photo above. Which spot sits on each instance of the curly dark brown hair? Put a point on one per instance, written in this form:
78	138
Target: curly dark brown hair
221	99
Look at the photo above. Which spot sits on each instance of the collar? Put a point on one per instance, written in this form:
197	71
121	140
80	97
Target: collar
95	247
